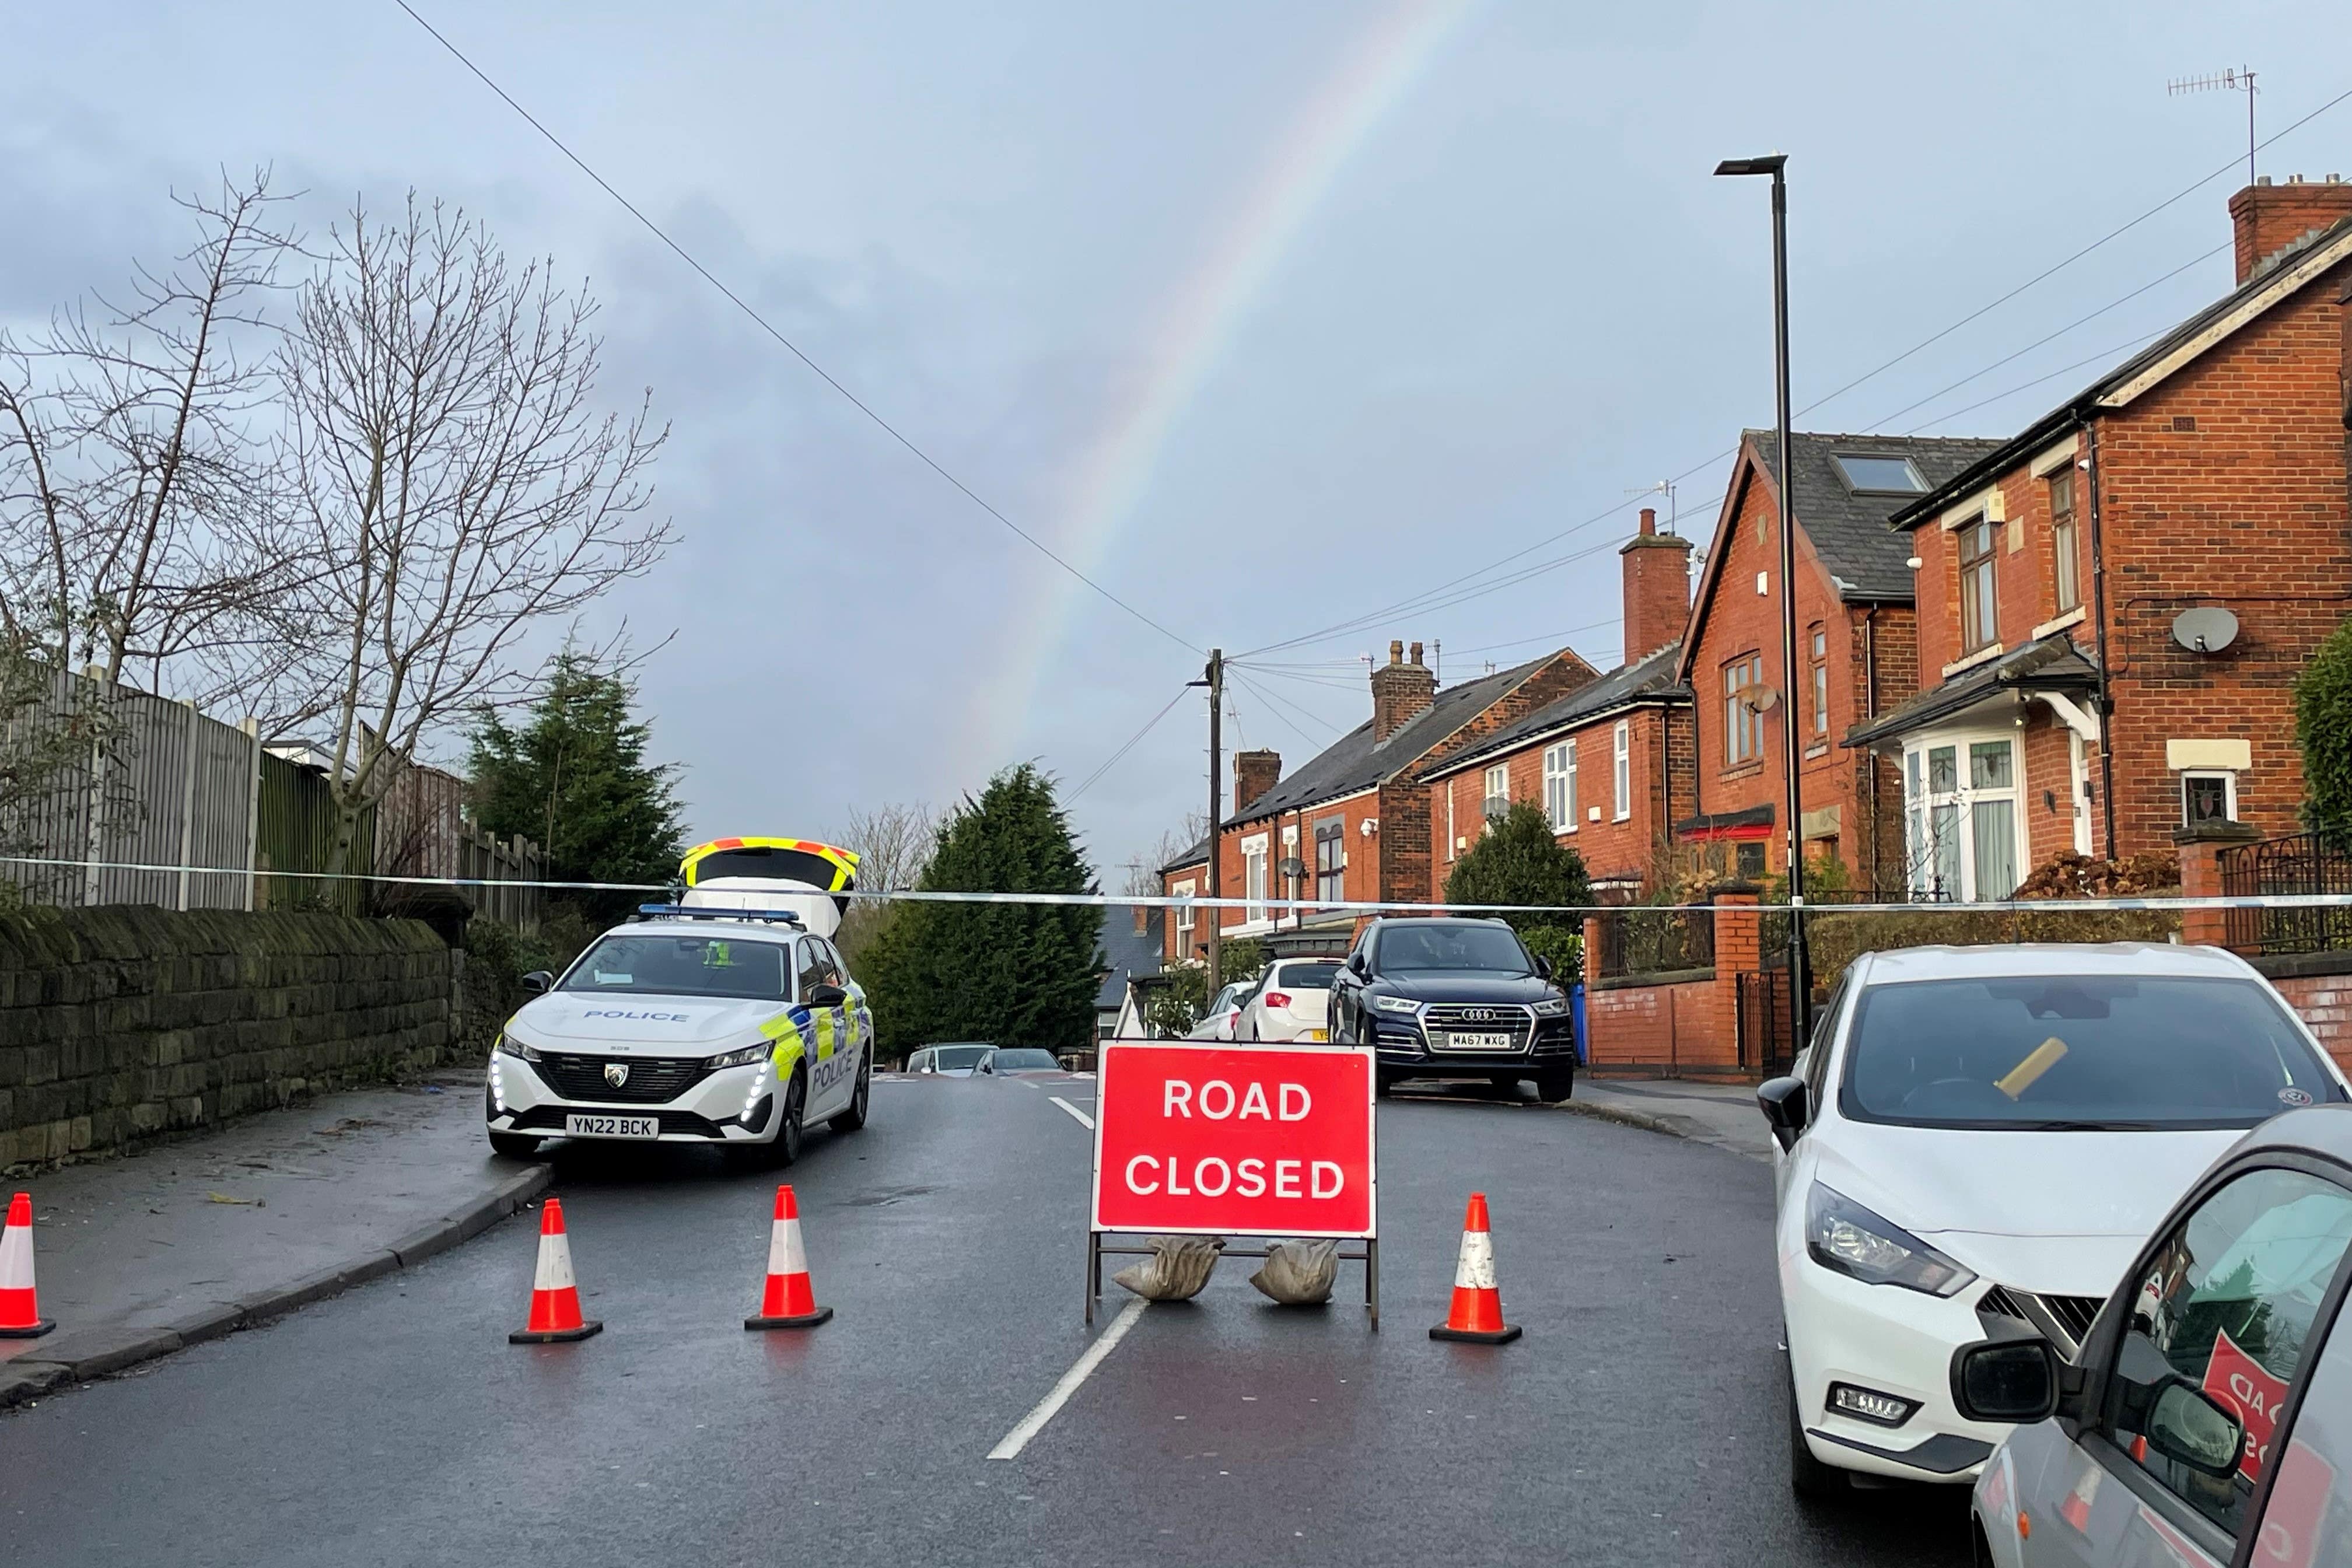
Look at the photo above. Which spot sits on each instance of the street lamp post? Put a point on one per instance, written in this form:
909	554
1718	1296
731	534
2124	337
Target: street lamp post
1799	973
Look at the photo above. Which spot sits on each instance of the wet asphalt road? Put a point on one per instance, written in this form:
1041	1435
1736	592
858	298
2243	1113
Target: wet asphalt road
1638	1422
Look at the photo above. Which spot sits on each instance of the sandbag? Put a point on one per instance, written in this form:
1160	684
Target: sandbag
1179	1267
1298	1273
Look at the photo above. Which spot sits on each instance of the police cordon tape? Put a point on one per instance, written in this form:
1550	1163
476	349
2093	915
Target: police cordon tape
1162	902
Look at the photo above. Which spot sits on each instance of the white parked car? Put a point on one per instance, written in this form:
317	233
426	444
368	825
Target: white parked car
1225	1012
1985	1137
1291	1001
956	1060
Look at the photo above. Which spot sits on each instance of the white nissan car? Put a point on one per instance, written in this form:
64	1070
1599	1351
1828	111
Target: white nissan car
728	1028
1978	1141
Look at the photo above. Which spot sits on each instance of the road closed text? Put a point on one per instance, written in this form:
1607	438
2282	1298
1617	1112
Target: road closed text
1257	1139
1211	1177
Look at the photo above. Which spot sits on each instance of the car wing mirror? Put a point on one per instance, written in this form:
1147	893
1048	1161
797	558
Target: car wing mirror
1543	966
2189	1425
1783	1103
1356	964
826	996
2006	1381
539	983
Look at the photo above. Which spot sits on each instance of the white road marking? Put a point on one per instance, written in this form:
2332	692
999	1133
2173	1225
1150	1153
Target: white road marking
1080	1370
1084	1119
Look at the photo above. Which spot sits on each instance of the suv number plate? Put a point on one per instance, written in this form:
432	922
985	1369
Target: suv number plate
1457	1041
613	1126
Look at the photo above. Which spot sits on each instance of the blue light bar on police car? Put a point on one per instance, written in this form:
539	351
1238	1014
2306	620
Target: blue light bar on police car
712	912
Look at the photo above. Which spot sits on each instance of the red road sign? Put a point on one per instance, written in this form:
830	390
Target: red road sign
1235	1140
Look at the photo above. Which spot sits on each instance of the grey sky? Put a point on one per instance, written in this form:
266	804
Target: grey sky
1516	296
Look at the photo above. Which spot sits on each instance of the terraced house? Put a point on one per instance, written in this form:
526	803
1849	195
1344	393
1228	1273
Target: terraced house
2113	604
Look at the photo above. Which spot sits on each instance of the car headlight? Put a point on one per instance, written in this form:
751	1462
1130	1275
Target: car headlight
1841	1234
745	1057
1551	1006
1396	1004
511	1047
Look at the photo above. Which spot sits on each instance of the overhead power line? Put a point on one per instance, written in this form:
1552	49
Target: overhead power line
1428	599
1127	745
1039	545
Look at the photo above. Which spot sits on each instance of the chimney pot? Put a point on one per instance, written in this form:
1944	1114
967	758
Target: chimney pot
1416	655
1649	519
1396	650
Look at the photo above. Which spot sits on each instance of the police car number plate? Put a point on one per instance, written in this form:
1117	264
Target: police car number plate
613	1126
1457	1041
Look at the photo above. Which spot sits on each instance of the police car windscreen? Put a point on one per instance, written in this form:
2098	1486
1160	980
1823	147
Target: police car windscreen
684	966
765	861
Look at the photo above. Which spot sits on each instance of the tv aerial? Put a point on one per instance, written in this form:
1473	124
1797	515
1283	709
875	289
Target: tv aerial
2241	80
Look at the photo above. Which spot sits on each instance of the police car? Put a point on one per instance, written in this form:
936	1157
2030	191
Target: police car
725	1018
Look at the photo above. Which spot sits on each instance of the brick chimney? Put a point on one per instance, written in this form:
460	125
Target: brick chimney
2270	217
1658	587
1254	773
1402	691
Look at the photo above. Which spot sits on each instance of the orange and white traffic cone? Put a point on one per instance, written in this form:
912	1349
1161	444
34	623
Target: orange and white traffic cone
1477	1312
554	1292
789	1300
20	1306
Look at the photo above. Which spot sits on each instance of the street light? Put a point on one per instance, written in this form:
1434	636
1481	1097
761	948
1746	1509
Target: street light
1799	976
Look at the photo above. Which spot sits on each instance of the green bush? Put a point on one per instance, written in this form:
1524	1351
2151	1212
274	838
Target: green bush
1835	940
1518	861
1564	947
2323	728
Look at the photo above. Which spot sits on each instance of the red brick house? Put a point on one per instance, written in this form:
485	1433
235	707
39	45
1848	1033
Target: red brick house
1356	818
1610	762
1186	877
2173	539
1855	652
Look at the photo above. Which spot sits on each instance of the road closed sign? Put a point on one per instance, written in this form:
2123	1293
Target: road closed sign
1235	1140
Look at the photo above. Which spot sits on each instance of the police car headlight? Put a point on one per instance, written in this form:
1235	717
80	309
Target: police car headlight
747	1056
509	1045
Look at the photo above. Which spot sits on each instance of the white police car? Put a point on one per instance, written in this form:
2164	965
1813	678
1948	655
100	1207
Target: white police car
696	1023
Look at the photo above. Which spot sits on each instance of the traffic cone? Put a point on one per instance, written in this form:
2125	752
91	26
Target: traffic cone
20	1307
789	1300
1478	1310
554	1293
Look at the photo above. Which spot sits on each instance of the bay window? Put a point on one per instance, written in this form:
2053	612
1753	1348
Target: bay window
1961	815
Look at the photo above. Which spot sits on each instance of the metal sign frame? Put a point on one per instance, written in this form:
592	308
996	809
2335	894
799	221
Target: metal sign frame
1102	1241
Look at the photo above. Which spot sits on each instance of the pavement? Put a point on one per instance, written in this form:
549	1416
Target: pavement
200	1236
1721	1114
1639	1421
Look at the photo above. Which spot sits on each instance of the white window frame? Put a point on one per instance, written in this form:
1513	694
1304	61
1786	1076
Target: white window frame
1921	803
1621	774
1449	818
1184	891
2229	777
1254	885
1559	785
1499	788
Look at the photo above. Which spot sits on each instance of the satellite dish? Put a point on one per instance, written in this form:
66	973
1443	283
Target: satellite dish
1757	699
1292	867
2205	629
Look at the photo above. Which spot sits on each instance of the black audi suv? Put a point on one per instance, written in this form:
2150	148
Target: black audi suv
1446	997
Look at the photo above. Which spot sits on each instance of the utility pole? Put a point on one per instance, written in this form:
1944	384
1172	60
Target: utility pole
1216	684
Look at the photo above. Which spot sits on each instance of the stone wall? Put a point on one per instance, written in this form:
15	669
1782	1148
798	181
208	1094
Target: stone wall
123	1022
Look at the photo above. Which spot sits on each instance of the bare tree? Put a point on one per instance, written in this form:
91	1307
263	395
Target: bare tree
1142	879
137	523
459	489
893	843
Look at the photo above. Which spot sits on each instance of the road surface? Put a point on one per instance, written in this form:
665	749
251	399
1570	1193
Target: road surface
1639	1421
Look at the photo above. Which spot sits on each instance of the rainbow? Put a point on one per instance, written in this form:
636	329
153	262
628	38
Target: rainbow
1198	321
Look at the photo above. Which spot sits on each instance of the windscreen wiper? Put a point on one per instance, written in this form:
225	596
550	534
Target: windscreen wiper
2083	1126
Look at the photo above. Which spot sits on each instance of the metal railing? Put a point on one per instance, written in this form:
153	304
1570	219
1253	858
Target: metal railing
2302	863
1655	940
